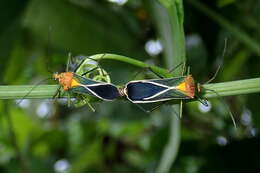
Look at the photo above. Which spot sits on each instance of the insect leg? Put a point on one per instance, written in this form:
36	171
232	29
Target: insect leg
176	67
68	62
93	69
57	93
149	68
68	98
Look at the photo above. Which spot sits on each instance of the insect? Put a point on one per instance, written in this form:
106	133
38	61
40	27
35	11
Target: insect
75	83
157	90
168	89
180	88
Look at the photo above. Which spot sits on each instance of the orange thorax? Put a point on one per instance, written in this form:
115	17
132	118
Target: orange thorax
65	79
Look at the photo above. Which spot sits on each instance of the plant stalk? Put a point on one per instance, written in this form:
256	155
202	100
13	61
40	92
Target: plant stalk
222	89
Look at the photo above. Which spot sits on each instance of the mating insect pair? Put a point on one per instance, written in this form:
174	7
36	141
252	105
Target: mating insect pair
138	92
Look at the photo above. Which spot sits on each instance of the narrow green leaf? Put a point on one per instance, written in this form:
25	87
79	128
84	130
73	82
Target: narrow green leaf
232	28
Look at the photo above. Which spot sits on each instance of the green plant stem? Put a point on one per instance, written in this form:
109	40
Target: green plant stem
30	91
134	62
238	87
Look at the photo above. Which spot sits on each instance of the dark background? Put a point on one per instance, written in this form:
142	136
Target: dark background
46	136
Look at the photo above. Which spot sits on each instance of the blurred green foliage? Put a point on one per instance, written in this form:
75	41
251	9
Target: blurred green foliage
46	136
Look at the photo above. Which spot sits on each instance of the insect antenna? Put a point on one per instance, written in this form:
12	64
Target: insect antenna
215	75
47	63
220	65
227	108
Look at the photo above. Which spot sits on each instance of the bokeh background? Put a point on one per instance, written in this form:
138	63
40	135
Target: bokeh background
46	136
